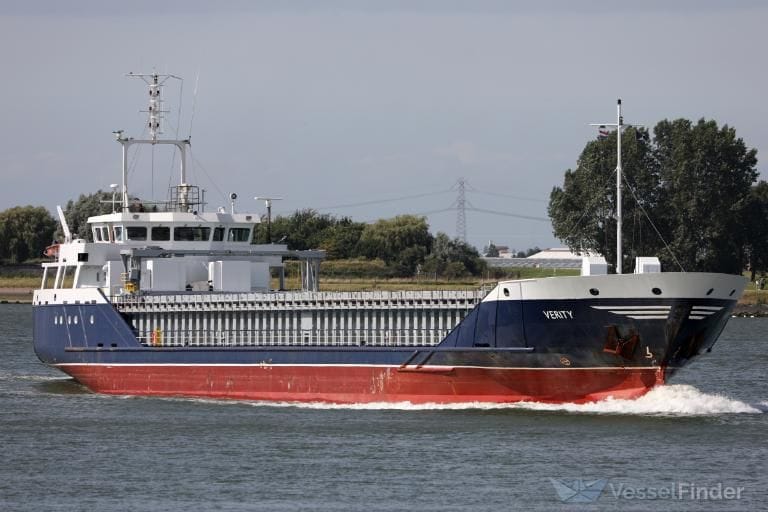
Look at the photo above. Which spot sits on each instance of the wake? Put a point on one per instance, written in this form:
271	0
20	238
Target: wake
668	400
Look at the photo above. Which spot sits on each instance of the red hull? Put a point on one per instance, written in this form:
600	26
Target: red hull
360	384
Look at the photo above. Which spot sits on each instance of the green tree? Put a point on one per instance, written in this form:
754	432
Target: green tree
340	240
402	242
25	231
692	181
527	252
583	210
77	213
491	251
706	177
756	229
453	258
308	229
301	230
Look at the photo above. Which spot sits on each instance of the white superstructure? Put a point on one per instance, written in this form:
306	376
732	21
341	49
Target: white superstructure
171	245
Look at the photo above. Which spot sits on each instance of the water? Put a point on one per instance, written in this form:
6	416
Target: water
64	448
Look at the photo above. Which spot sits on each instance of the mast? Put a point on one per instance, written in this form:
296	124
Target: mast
619	124
155	83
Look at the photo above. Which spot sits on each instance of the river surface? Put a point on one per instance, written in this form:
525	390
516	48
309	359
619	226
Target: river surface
699	443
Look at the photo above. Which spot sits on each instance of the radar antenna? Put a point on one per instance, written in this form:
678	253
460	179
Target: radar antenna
184	196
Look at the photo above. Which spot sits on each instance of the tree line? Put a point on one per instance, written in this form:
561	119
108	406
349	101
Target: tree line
404	243
691	197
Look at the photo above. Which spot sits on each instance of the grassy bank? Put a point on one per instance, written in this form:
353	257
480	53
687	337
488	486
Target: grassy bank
360	275
340	275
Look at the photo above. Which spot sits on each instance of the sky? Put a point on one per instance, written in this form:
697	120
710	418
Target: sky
365	109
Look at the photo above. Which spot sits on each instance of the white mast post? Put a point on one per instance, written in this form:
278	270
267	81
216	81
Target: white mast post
619	124
268	203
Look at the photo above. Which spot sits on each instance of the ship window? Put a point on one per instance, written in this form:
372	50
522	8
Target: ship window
96	235
136	232
218	234
105	233
118	233
92	319
656	291
191	234
161	234
594	291
74	320
238	234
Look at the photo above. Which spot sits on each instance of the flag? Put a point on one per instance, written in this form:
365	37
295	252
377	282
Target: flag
602	132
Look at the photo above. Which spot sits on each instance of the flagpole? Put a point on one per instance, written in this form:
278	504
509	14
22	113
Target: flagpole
619	174
619	123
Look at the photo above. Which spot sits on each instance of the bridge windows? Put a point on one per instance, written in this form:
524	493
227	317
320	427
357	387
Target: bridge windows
192	234
218	234
136	233
239	235
161	233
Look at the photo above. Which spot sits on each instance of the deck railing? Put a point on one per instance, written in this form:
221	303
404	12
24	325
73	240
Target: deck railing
293	337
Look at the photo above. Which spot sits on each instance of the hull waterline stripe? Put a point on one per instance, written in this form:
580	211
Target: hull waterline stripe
263	365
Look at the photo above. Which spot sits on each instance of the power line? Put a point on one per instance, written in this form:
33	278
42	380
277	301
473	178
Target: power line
519	198
508	214
382	201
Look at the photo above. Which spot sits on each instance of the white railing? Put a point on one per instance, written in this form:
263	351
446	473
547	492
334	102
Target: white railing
294	338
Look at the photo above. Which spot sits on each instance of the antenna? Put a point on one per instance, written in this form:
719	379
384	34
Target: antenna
113	186
155	107
268	203
155	82
194	104
232	199
619	124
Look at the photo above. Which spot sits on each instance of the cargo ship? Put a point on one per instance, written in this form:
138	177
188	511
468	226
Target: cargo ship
171	300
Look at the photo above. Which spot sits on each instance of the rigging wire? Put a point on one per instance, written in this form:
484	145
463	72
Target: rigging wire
589	206
176	136
652	224
194	104
223	196
134	162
